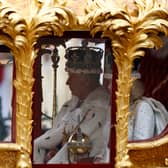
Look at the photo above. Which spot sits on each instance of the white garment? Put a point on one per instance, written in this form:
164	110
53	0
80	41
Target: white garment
95	106
106	134
6	89
148	118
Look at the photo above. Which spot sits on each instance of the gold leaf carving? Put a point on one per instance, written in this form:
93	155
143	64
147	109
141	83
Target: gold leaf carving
8	159
50	18
20	34
131	27
149	157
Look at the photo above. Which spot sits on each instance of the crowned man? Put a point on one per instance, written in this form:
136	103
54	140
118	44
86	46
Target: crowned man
87	110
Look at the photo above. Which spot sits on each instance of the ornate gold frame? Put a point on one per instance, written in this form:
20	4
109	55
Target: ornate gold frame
131	25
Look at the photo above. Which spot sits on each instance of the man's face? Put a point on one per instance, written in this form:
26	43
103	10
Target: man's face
76	84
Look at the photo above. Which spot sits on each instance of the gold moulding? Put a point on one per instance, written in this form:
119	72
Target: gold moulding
129	30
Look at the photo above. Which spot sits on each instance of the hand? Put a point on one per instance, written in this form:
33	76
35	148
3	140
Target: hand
50	154
98	159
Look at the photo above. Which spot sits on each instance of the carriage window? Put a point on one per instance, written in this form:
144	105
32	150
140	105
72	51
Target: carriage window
148	102
6	77
75	122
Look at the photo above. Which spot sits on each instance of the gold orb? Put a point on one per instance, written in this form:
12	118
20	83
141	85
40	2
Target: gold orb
79	144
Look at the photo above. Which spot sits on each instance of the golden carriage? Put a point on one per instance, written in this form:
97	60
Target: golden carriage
131	26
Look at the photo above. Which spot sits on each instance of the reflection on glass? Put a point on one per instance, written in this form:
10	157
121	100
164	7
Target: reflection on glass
6	76
63	93
80	131
148	99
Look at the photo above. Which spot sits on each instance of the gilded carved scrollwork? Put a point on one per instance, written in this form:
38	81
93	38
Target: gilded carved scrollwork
20	34
150	154
8	155
132	26
114	24
8	159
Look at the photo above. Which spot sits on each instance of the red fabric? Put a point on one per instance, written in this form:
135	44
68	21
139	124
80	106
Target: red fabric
37	98
113	115
14	106
87	165
1	73
154	74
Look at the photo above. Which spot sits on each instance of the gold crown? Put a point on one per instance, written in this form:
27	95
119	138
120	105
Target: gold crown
84	60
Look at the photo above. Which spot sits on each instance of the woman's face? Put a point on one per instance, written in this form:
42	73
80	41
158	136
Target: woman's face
137	90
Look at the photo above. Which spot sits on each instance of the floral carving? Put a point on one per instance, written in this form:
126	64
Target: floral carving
132	26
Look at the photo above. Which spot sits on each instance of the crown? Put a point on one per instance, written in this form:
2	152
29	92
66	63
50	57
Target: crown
84	60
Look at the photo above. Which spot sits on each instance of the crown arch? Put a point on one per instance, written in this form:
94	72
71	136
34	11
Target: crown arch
131	26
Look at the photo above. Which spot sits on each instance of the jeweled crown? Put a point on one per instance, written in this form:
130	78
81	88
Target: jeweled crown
84	59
